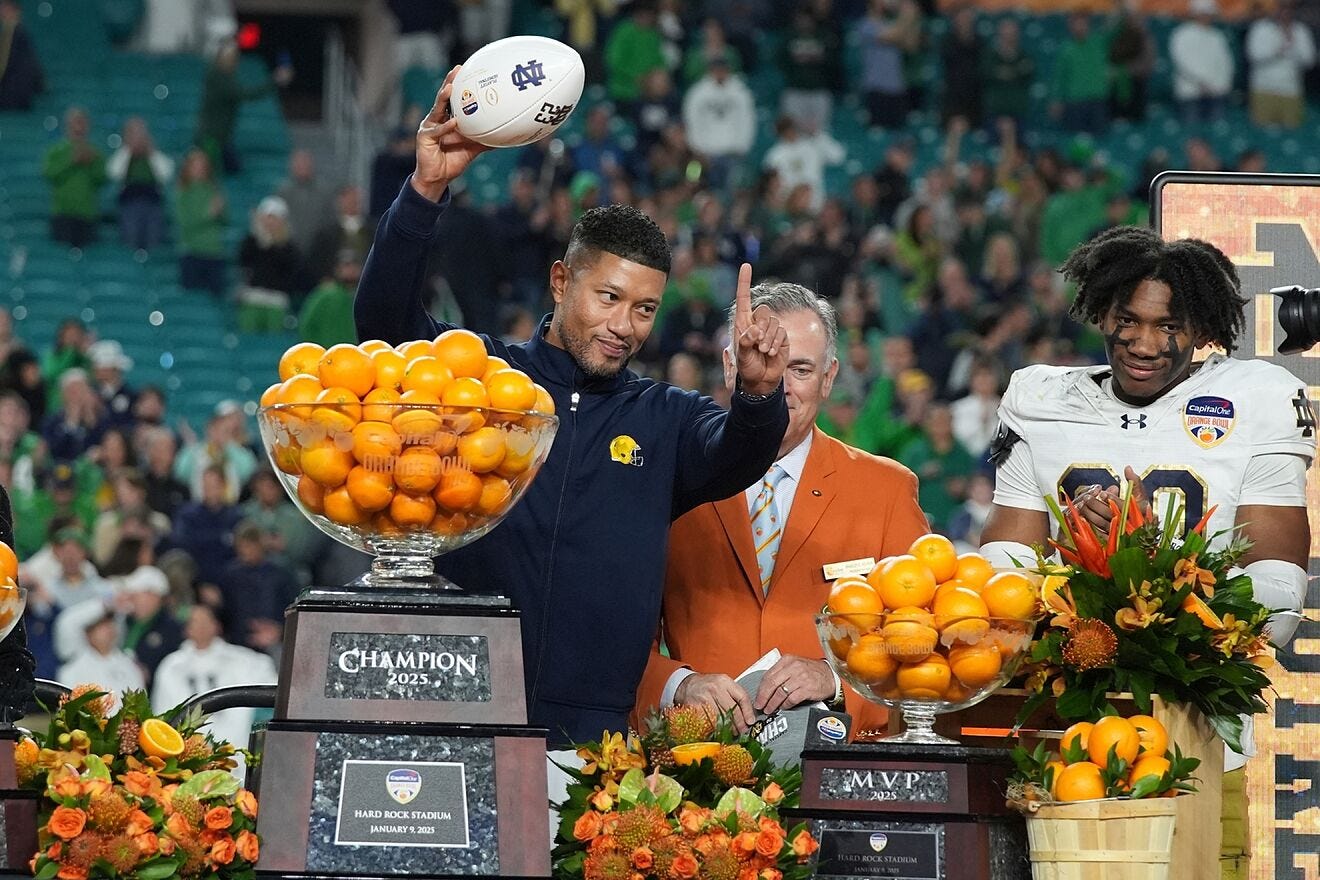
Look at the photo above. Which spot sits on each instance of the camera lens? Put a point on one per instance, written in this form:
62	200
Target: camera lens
1299	316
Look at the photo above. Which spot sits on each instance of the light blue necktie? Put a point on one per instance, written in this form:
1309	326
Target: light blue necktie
766	525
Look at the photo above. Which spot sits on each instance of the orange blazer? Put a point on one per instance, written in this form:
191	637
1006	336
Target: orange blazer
849	504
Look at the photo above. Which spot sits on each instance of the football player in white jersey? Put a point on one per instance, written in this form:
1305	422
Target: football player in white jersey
1236	435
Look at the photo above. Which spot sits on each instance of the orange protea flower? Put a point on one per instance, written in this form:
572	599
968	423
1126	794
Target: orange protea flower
219	818
720	864
223	851
587	826
637	827
67	822
1186	571
606	866
246	802
1091	644
249	847
122	853
804	845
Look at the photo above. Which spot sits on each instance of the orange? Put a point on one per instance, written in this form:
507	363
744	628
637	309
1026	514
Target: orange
1154	736
1079	782
450	523
691	753
909	634
421	419
495	495
347	366
545	404
462	351
960	614
380	405
465	391
371	346
301	388
927	680
1081	732
375	444
1009	594
938	554
841	643
458	490
519	450
270	395
383	525
869	659
412	510
957	692
300	358
426	374
417	469
511	389
855	598
390	367
311	494
974	570
905	581
8	563
326	463
1149	765
1116	733
370	490
483	449
493	366
415	348
975	665
1057	766
342	509
340	412
287	457
159	740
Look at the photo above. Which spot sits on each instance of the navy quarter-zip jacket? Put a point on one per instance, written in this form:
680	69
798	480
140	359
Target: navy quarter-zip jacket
582	555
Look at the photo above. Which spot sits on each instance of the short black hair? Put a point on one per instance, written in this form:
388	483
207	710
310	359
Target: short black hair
623	231
1206	289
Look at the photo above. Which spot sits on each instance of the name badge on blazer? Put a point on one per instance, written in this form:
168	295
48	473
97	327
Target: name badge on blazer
835	570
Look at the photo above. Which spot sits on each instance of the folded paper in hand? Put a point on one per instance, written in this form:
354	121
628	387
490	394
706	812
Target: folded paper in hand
784	733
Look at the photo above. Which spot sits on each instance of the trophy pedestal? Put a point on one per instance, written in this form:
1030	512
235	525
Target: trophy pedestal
400	743
911	811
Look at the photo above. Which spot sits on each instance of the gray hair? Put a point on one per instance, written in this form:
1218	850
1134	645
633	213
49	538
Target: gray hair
784	296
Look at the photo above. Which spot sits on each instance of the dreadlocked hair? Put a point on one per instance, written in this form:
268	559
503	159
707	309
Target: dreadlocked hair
1206	289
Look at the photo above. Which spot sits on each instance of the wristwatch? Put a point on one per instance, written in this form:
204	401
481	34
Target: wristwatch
836	702
751	398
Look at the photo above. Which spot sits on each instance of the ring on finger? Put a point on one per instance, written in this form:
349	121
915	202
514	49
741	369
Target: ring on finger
784	688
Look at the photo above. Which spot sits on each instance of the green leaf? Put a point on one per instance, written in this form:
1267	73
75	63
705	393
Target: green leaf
159	870
1229	728
739	800
1146	786
1075	703
48	870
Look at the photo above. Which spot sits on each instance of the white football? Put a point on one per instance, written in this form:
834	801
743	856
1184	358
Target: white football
517	90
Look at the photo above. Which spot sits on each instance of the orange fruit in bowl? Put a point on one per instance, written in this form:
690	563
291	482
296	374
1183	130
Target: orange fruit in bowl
519	450
495	495
380	405
465	391
300	358
421	419
905	581
302	388
370	490
1154	736
459	489
340	410
271	395
493	366
381	524
452	524
417	469
375	444
841	641
347	366
938	554
975	665
961	615
545	404
1113	732
412	511
1148	765
973	571
415	348
910	634
287	457
462	351
483	450
390	367
1012	595
426	374
371	346
1079	733
926	679
869	659
1079	782
856	599
8	562
957	691
342	509
511	389
311	494
326	463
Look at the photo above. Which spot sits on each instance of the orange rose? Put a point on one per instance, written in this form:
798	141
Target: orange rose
148	844
95	787
219	818
744	844
690	820
140	784
248	846
67	822
684	866
587	826
223	851
768	824
771	874
768	843
247	803
643	858
166	846
602	801
72	872
747	872
804	845
773	794
138	823
210	836
601	844
177	826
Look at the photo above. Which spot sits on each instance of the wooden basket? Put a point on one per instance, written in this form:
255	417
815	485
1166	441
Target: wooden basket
1103	840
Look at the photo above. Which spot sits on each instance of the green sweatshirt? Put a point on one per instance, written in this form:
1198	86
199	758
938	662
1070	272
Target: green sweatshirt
1081	70
630	54
327	316
75	186
222	96
200	234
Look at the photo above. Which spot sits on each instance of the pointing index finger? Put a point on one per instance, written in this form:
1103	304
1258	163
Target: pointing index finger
742	301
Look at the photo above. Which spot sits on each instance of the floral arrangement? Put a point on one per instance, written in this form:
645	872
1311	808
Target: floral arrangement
126	795
688	801
1148	613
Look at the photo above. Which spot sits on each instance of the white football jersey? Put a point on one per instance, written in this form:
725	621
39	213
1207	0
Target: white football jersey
1062	428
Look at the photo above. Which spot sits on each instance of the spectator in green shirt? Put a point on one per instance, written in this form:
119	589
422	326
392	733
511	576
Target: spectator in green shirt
942	466
327	315
1007	74
199	214
68	353
1081	78
222	96
76	171
634	49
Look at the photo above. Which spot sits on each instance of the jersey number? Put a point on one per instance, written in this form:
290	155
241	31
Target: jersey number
1166	486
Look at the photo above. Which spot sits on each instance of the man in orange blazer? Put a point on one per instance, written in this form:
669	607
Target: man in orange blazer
730	595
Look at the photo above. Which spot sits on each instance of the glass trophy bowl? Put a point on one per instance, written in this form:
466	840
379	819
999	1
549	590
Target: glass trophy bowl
405	483
923	664
13	602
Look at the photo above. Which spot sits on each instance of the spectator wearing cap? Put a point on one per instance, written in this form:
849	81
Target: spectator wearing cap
205	528
150	631
88	636
254	592
59	497
204	662
109	364
719	117
76	172
1280	49
326	317
914	391
1203	64
219	448
79	423
291	541
270	264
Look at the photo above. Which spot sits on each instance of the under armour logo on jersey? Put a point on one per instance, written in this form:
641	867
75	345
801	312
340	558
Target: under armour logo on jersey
553	114
529	74
1138	420
1305	415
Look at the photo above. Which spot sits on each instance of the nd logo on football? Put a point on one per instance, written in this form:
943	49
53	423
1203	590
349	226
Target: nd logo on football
403	784
1209	420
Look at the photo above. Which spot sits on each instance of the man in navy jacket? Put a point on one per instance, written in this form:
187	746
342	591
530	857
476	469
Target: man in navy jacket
582	555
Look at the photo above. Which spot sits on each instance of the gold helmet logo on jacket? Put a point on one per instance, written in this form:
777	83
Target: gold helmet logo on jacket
625	450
